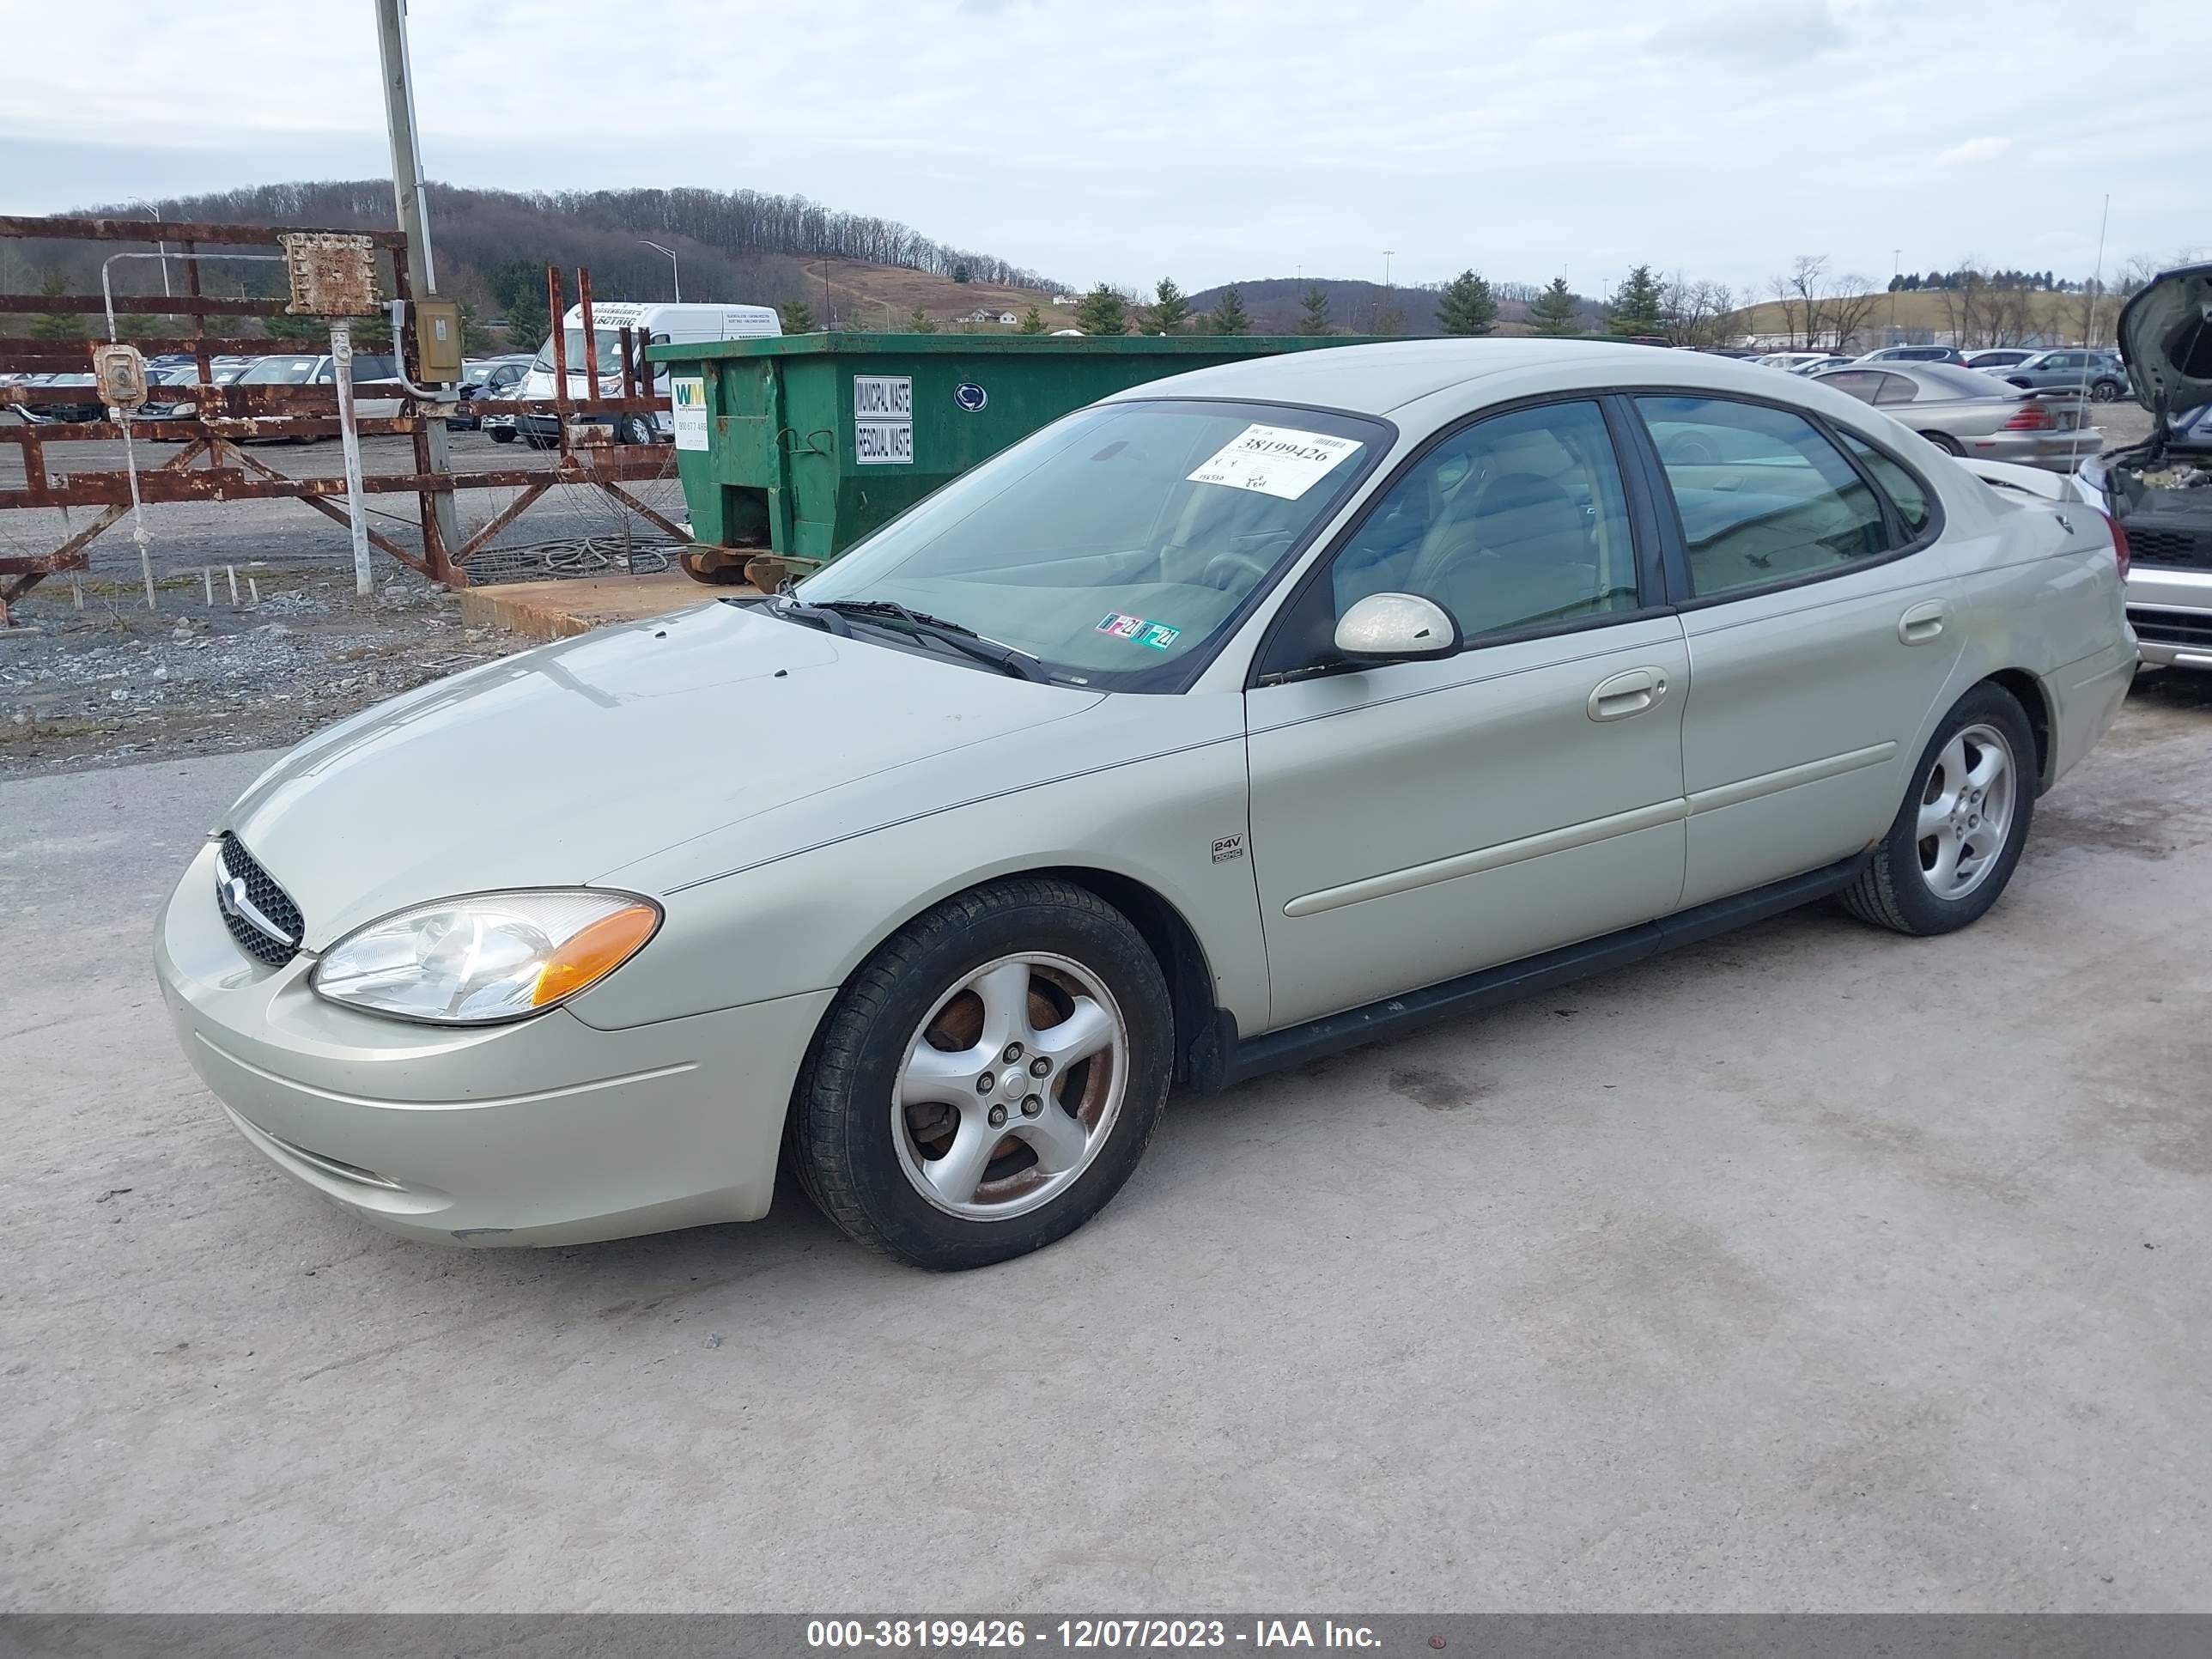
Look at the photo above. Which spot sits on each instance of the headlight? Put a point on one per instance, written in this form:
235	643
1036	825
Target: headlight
493	957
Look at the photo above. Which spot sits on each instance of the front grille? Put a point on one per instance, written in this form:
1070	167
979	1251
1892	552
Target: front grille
245	891
2154	545
2172	627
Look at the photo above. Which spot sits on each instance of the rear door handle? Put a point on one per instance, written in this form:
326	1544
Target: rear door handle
1627	694
1922	622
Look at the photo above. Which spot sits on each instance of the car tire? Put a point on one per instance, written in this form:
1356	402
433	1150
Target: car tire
636	430
1946	442
945	1163
1955	841
2104	392
502	435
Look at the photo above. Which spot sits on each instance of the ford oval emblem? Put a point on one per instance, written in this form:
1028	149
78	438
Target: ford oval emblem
970	397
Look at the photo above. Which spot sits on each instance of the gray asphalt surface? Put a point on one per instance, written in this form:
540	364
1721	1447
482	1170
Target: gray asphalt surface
1811	1268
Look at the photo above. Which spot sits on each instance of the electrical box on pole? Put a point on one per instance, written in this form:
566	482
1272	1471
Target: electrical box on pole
438	341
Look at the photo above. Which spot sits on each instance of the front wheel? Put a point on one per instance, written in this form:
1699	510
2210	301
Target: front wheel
989	1079
502	435
1955	841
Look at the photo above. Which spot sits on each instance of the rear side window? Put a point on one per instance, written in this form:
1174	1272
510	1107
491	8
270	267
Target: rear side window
1861	383
1904	491
1763	496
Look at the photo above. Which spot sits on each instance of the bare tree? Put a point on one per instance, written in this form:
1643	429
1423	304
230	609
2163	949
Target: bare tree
1691	313
1850	306
1785	294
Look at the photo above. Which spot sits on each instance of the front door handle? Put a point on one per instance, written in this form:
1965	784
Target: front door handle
1922	622
1627	694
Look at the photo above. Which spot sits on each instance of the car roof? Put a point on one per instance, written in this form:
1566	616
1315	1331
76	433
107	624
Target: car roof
1374	379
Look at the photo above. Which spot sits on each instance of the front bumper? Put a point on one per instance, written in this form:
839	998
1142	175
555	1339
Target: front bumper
547	1131
2171	611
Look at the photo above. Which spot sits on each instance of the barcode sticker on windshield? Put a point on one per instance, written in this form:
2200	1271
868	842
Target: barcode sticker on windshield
1277	460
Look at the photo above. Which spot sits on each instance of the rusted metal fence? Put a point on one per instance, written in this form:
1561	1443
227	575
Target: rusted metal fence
212	467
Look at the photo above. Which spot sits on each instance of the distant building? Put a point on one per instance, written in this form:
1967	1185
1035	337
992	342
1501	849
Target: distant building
1008	319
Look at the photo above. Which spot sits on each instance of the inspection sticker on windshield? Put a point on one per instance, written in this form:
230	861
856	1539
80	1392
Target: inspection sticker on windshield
1159	636
689	402
1277	460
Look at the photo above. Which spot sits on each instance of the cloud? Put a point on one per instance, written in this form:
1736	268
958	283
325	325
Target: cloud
1974	153
1761	32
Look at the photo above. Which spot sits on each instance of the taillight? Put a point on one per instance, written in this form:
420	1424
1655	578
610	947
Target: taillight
2119	544
2029	417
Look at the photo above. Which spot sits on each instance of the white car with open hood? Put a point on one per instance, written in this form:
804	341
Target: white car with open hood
1250	713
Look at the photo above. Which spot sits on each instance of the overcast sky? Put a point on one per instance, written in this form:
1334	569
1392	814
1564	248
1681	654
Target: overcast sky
1126	139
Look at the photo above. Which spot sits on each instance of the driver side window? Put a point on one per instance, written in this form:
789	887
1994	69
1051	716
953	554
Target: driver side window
1517	522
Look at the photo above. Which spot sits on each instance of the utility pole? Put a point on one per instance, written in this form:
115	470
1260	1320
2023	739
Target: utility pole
675	271
1896	266
433	450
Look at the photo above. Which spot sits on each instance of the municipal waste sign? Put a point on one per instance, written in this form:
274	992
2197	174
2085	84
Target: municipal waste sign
883	419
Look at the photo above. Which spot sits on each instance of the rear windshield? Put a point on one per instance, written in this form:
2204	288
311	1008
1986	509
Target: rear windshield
1955	382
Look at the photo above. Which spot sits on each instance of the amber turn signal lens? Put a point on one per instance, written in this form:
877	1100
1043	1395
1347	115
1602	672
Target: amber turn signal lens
594	952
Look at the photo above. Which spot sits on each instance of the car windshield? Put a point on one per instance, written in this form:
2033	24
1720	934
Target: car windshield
609	351
1119	543
280	371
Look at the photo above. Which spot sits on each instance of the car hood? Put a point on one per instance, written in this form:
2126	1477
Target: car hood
556	766
2166	340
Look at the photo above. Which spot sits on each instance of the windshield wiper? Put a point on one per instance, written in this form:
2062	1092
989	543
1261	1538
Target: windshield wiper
961	637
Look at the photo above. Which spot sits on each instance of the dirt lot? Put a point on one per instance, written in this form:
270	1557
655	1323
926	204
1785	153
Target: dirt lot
90	676
1811	1268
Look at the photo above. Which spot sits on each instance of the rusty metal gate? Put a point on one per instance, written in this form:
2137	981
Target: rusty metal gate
211	467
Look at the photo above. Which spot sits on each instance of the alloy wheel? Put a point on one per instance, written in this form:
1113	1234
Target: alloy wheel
1966	811
1011	1086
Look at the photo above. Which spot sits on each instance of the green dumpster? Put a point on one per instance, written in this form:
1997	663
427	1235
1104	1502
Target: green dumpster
791	449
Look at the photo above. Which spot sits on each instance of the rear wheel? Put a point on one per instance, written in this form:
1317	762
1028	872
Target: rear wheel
502	435
989	1079
2104	392
1946	442
1954	842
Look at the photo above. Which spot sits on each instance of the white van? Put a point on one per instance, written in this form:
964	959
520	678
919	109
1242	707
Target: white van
659	325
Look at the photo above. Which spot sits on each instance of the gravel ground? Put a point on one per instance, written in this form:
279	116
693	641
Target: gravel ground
90	677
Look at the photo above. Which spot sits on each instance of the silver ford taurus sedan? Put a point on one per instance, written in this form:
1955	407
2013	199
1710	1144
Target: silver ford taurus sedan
1244	715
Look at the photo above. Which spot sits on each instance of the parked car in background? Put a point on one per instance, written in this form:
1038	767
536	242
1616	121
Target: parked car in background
492	377
656	325
47	414
1818	365
1997	357
2100	374
307	368
1397	708
1791	360
1964	411
2160	491
1914	354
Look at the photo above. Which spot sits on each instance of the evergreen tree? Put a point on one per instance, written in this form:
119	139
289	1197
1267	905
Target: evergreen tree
796	316
1313	311
921	322
476	338
1032	322
1229	315
1467	306
527	325
56	324
1635	305
1554	310
297	331
1170	310
1103	311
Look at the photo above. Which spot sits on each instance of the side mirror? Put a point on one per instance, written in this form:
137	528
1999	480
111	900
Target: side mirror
1396	628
